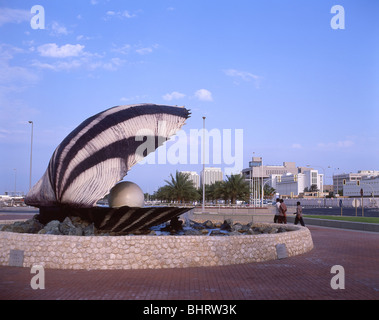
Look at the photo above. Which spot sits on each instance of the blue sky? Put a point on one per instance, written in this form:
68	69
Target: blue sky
300	90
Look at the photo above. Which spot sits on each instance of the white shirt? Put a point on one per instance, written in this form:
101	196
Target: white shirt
277	208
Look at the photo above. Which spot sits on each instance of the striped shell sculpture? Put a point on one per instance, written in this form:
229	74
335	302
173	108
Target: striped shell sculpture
100	151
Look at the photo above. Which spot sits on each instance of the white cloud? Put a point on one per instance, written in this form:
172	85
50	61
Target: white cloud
54	51
204	95
345	144
8	15
7	51
14	79
127	48
118	14
58	29
128	15
243	75
296	146
88	62
339	144
82	37
124	49
136	98
147	50
143	51
73	56
247	76
11	74
173	96
60	65
113	64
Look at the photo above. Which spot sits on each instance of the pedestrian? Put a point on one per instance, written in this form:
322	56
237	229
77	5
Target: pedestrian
283	212
277	213
299	214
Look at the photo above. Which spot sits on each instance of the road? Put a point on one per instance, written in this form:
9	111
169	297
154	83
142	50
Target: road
368	212
14	213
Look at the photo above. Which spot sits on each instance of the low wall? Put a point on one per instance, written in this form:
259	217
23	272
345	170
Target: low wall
150	252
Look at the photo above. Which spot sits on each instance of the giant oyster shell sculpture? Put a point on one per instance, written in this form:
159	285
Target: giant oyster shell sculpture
98	154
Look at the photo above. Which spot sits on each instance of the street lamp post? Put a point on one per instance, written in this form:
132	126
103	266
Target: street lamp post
203	164
337	181
31	156
15	181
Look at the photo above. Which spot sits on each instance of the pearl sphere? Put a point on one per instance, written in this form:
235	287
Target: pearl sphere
126	193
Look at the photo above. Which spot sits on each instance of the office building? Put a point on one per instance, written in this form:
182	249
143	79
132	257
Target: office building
211	175
294	184
286	179
193	177
258	170
368	184
340	179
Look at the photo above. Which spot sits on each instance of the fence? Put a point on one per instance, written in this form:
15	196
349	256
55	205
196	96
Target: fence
334	202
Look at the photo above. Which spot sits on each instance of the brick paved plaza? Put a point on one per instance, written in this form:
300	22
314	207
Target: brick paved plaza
303	277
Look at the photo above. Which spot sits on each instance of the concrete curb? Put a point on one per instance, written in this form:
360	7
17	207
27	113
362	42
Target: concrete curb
360	226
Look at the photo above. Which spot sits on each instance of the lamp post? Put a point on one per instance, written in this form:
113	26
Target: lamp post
31	156
203	164
262	182
15	181
253	193
337	180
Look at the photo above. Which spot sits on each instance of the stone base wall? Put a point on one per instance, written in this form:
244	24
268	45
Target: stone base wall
150	252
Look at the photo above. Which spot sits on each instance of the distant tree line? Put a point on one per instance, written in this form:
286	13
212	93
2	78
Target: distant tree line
181	189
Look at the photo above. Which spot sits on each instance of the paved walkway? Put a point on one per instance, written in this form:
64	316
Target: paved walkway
303	277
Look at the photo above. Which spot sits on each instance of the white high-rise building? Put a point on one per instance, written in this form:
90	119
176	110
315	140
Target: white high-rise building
294	184
194	177
211	175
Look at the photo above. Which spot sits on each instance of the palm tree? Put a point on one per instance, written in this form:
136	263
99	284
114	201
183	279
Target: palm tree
268	191
236	187
313	188
213	192
180	188
163	194
220	191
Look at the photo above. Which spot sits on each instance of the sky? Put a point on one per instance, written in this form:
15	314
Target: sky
300	84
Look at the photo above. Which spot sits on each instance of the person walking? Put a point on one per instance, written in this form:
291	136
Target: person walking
283	212
277	213
299	214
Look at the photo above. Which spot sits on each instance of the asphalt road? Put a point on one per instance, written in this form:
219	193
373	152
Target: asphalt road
18	210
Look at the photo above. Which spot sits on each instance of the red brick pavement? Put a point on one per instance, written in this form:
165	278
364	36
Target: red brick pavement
305	277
